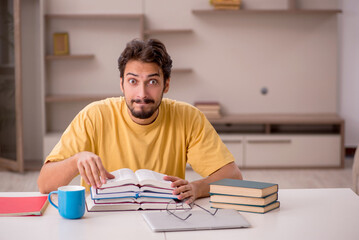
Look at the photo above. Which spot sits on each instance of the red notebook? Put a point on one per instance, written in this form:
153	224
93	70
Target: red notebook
23	206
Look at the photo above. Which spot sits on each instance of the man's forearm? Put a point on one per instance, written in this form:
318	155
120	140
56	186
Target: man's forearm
56	174
230	170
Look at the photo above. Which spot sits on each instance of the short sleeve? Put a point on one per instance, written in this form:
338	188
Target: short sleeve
206	151
78	137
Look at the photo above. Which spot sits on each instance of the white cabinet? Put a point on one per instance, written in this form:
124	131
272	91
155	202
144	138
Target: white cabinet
234	143
283	141
282	151
292	151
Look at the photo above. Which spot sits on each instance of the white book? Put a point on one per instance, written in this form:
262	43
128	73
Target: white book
141	177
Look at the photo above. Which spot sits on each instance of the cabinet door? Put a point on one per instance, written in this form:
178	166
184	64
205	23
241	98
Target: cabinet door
11	125
293	151
234	143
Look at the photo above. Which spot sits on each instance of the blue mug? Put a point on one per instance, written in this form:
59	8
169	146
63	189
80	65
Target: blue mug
71	201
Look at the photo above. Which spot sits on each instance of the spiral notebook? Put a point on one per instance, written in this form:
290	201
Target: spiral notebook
200	220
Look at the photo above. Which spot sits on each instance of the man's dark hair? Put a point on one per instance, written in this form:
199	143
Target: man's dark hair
149	51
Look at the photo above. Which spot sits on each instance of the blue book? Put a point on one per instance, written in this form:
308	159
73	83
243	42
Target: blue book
243	188
235	199
130	194
247	208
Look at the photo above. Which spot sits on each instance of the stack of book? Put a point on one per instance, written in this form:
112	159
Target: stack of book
140	190
210	109
226	4
246	196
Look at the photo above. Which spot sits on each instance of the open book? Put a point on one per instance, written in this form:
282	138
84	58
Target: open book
141	178
140	190
129	184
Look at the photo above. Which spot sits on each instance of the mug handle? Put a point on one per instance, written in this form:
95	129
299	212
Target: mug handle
49	197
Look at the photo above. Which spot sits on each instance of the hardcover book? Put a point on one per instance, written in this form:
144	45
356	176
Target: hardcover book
247	208
133	204
133	200
243	188
207	105
257	201
131	194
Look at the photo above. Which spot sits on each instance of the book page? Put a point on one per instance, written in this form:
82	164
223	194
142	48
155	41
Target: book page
148	177
122	176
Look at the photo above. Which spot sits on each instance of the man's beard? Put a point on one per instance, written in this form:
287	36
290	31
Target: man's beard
142	114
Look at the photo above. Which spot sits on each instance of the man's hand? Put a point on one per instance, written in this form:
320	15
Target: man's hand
91	169
183	188
200	188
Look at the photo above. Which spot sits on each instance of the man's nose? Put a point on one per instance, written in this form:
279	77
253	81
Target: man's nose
142	91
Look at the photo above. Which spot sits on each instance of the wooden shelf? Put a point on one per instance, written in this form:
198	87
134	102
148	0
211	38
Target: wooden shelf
95	16
75	98
269	11
167	31
66	57
278	119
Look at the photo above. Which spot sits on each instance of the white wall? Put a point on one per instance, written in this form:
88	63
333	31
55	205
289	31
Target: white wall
233	56
193	48
349	74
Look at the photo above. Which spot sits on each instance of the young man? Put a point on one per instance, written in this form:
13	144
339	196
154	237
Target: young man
140	130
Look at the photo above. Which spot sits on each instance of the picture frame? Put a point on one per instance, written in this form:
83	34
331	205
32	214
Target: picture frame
61	43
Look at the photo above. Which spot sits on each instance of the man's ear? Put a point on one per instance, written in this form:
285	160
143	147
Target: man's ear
167	85
121	84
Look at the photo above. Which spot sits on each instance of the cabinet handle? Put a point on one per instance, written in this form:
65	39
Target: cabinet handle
270	141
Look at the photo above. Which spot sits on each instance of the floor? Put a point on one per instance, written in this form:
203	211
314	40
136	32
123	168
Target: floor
291	178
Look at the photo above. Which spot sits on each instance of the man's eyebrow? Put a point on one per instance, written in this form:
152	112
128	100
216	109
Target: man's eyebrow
149	75
132	74
153	75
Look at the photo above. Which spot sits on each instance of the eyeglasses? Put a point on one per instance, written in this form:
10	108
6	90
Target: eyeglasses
173	206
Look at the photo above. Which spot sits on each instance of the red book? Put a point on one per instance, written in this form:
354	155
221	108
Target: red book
23	206
203	106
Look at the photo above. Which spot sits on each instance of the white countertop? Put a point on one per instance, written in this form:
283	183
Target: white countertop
303	214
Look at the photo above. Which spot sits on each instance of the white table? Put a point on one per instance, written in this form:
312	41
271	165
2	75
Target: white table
304	214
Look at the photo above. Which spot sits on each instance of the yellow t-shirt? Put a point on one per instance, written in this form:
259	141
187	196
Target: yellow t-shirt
180	134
